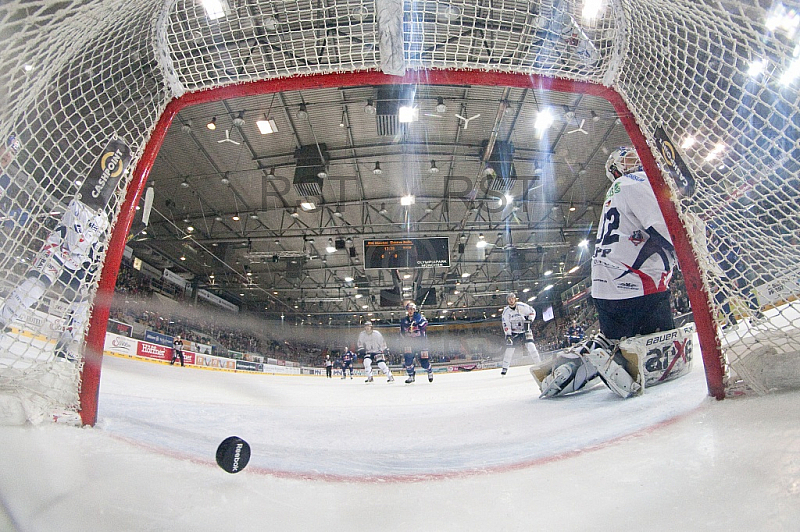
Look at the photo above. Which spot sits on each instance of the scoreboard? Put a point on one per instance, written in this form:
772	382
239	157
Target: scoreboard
407	253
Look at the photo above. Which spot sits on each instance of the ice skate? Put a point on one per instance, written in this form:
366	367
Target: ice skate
503	371
430	376
390	379
410	379
369	379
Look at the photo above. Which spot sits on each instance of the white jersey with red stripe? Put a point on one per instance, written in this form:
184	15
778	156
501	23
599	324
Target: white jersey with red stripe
74	243
633	253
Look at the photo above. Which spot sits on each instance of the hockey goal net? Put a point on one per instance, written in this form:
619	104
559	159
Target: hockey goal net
717	77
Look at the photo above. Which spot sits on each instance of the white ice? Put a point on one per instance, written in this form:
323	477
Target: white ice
471	451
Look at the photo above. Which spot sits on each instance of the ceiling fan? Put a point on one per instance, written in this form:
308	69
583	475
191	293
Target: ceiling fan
467	120
580	128
228	138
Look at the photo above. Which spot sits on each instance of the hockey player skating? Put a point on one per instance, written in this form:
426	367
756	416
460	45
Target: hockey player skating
347	362
414	334
517	319
67	263
71	254
631	269
371	346
177	350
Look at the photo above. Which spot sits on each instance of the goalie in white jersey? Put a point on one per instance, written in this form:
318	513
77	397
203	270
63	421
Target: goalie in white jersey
517	319
631	269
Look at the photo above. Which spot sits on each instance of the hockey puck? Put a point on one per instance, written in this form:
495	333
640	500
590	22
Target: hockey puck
233	454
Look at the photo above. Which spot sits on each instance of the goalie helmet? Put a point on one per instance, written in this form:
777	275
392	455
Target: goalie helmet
623	160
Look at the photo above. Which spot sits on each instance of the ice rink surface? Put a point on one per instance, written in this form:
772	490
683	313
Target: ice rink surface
471	451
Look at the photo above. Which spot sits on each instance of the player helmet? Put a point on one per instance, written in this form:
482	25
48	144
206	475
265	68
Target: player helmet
623	160
368	323
510	296
411	305
13	143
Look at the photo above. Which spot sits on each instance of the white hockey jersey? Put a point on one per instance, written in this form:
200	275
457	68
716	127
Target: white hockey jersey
75	242
514	318
628	261
372	342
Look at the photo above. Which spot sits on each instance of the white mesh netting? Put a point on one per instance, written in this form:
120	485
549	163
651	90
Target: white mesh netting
74	75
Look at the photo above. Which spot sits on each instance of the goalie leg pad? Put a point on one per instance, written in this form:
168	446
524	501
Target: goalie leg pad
660	357
560	377
613	374
570	373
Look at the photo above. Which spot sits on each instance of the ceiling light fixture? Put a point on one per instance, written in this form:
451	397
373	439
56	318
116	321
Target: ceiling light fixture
377	170
271	173
370	108
214	8
407	113
212	124
239	120
408	200
184	183
254	216
433	169
383	209
307	205
341	123
187	127
235	217
440	106
266	126
572	207
330	248
544	119
225	180
302	113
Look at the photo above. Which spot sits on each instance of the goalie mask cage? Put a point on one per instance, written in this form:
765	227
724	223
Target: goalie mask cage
76	74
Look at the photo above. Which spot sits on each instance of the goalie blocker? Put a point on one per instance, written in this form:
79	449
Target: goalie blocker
648	359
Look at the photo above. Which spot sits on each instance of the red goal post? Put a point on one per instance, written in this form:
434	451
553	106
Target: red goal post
712	356
77	74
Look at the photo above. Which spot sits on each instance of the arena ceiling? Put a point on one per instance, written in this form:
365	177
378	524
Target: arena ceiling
228	212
